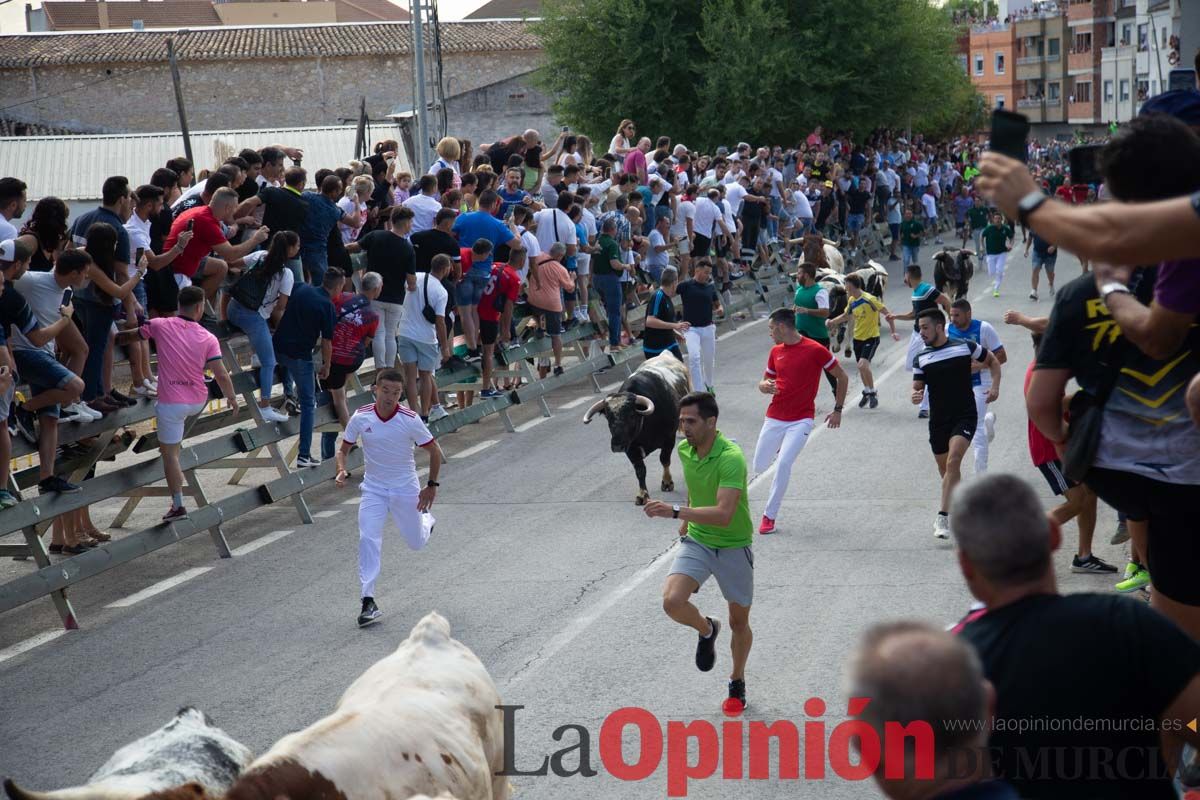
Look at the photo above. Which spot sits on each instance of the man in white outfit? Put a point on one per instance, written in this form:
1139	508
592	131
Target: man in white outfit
700	300
962	326
387	432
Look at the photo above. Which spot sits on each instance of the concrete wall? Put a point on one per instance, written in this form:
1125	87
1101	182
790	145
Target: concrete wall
499	110
253	94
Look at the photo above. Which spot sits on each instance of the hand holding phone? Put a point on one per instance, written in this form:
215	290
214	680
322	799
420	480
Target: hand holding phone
1010	133
191	222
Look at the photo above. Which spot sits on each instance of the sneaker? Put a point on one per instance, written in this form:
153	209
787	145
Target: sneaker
58	485
271	415
1138	580
209	319
923	414
989	425
307	462
706	649
1052	291
175	514
512	345
1121	535
866	398
737	273
874	400
26	423
438	412
121	399
291	407
767	525
1130	569
144	391
370	613
558	370
7	500
1091	564
1033	295
152	384
995	293
82	412
104	406
736	702
941	526
487	394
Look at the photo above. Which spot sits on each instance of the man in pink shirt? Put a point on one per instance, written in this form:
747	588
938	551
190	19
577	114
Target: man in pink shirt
185	349
635	161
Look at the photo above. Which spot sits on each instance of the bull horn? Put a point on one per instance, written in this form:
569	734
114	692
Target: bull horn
645	406
594	410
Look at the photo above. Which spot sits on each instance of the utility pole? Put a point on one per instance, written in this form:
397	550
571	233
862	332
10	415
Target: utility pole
420	109
183	126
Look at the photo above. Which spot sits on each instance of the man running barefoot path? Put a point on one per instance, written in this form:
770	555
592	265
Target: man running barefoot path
715	540
386	431
945	367
792	377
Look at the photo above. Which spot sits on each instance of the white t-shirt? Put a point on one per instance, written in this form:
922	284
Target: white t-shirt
44	296
930	204
413	324
775	178
686	211
424	208
195	189
7	231
570	158
349	206
281	284
547	220
588	220
991	340
734	193
653	258
801	208
387	446
704	223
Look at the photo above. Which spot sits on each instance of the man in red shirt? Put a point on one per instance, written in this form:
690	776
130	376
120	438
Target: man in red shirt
208	236
793	374
495	312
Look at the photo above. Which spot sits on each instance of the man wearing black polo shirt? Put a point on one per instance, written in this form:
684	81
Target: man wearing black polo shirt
700	300
661	326
1057	661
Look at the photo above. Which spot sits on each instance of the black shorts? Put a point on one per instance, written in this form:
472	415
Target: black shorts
940	431
162	293
1170	511
489	331
337	376
1052	471
554	320
701	246
865	348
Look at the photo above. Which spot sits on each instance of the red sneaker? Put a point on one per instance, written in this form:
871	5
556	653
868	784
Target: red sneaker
767	525
175	514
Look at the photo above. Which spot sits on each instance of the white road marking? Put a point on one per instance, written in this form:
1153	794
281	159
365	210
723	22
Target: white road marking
262	541
533	423
578	401
326	514
470	451
353	501
159	588
612	387
30	643
727	334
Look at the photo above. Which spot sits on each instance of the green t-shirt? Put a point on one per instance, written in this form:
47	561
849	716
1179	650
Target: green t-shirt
970	172
995	239
723	468
978	216
609	249
910	233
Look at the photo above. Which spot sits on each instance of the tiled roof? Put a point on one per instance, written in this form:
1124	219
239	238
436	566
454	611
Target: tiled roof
507	9
12	127
222	44
370	11
84	15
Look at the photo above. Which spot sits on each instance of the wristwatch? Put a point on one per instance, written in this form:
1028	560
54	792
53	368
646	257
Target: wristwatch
1030	203
675	511
434	484
1113	288
838	409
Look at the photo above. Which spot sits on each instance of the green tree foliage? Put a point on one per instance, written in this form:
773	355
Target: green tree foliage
716	71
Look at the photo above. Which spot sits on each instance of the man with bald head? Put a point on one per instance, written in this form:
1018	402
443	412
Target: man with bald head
635	160
1084	683
913	672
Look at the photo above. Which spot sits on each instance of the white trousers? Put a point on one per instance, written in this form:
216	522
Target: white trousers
701	355
383	346
786	439
980	441
915	345
373	510
995	265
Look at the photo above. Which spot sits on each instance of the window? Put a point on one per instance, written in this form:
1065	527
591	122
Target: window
999	63
978	64
999	101
1127	34
1052	91
1108	90
1143	36
1083	43
1053	46
1083	92
1124	90
1164	44
1143	91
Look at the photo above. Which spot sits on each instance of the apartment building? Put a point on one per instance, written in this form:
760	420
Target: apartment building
1139	64
991	65
1040	52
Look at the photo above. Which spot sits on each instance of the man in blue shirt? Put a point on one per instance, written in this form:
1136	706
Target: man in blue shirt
470	228
116	206
323	214
511	194
308	317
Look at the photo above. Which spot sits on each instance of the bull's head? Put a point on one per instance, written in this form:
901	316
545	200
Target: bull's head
624	411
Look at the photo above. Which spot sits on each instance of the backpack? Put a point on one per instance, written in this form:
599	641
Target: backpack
250	289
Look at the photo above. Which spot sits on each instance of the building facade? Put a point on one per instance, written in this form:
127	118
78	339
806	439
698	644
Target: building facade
1040	53
991	65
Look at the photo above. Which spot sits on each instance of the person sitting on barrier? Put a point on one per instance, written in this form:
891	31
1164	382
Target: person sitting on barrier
548	279
357	324
265	271
185	349
50	383
309	317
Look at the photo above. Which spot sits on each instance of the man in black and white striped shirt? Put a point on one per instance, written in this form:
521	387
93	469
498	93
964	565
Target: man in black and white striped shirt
945	366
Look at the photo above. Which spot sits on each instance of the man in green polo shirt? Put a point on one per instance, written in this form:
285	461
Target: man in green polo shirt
911	231
715	537
978	216
811	305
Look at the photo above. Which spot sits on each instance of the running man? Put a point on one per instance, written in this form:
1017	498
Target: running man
865	309
700	302
716	535
811	307
997	241
962	326
792	377
945	367
924	296
1045	255
386	432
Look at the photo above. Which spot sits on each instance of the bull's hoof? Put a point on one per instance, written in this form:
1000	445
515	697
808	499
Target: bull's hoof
668	486
641	498
848	352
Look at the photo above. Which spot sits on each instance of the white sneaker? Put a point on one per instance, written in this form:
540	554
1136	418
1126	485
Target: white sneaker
83	412
307	463
144	391
437	412
1052	291
941	527
271	415
1033	295
989	425
151	384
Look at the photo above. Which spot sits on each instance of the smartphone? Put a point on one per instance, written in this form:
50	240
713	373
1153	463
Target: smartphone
66	300
1182	80
191	222
566	128
1010	132
1083	164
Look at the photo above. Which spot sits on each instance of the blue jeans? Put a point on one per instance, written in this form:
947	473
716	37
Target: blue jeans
256	330
776	210
302	371
911	254
609	287
97	318
317	264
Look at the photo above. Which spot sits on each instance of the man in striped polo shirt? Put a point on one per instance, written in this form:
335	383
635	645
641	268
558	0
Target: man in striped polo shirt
924	296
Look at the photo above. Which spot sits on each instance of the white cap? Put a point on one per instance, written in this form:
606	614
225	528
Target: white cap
8	250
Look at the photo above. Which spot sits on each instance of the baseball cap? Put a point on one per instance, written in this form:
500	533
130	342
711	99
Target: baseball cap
11	250
1183	105
722	150
829	184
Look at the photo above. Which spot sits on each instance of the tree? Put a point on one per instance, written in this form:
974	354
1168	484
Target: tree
716	71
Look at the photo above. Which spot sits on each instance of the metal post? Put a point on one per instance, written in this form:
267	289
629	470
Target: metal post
420	109
183	126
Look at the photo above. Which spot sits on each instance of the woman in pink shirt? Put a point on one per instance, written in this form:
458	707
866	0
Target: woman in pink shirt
548	279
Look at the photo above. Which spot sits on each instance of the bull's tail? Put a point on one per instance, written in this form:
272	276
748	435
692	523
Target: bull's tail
432	629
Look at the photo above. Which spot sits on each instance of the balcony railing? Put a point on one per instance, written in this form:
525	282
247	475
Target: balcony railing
1023	60
1029	102
990	27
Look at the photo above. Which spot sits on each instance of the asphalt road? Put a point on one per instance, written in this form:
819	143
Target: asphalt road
547	570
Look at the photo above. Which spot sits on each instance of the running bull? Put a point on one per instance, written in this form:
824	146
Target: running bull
643	416
189	751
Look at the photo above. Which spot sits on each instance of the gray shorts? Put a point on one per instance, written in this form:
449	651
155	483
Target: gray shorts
426	356
733	567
